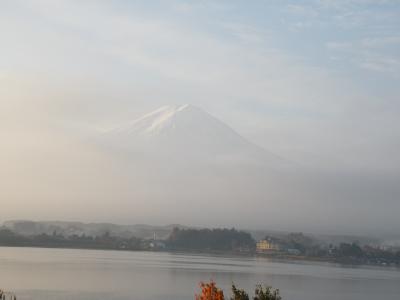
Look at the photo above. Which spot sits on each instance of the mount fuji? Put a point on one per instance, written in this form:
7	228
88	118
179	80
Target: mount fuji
188	134
176	160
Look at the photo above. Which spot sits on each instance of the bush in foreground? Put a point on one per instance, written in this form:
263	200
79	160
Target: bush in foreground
210	291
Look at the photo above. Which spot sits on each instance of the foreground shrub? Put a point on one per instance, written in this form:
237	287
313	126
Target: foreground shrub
266	293
238	294
209	291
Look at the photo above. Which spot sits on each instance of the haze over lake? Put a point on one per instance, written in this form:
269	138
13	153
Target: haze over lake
265	129
146	112
58	274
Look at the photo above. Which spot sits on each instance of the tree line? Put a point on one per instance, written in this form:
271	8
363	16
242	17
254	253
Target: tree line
105	241
211	239
219	240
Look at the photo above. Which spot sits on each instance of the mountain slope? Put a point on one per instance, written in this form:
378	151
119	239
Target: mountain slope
172	163
186	132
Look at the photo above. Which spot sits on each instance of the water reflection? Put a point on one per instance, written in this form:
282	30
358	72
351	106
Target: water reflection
86	274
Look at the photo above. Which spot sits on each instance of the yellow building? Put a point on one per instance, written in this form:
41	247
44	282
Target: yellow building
265	245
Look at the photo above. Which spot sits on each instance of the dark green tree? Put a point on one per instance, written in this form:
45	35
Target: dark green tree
266	293
238	294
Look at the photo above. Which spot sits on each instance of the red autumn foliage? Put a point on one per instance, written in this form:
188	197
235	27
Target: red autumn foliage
209	291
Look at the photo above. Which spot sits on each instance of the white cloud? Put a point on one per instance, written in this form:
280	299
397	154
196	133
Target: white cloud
304	11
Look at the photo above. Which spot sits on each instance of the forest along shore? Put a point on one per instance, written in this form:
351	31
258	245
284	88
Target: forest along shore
292	246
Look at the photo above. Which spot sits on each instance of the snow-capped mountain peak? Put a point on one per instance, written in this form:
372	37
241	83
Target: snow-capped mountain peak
154	122
179	131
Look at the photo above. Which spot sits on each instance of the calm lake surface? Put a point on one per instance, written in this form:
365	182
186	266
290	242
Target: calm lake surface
91	274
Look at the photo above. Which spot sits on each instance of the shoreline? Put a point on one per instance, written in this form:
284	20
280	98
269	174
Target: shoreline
228	254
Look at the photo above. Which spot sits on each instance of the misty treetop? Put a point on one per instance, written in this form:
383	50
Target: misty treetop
105	241
211	239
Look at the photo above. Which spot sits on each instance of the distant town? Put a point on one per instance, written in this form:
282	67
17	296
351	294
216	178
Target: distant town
175	238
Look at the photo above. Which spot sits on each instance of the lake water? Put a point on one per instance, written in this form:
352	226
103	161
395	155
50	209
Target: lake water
57	274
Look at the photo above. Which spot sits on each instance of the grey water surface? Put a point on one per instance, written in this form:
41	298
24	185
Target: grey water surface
61	274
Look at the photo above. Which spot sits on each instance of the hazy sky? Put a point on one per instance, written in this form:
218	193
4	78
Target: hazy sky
314	81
